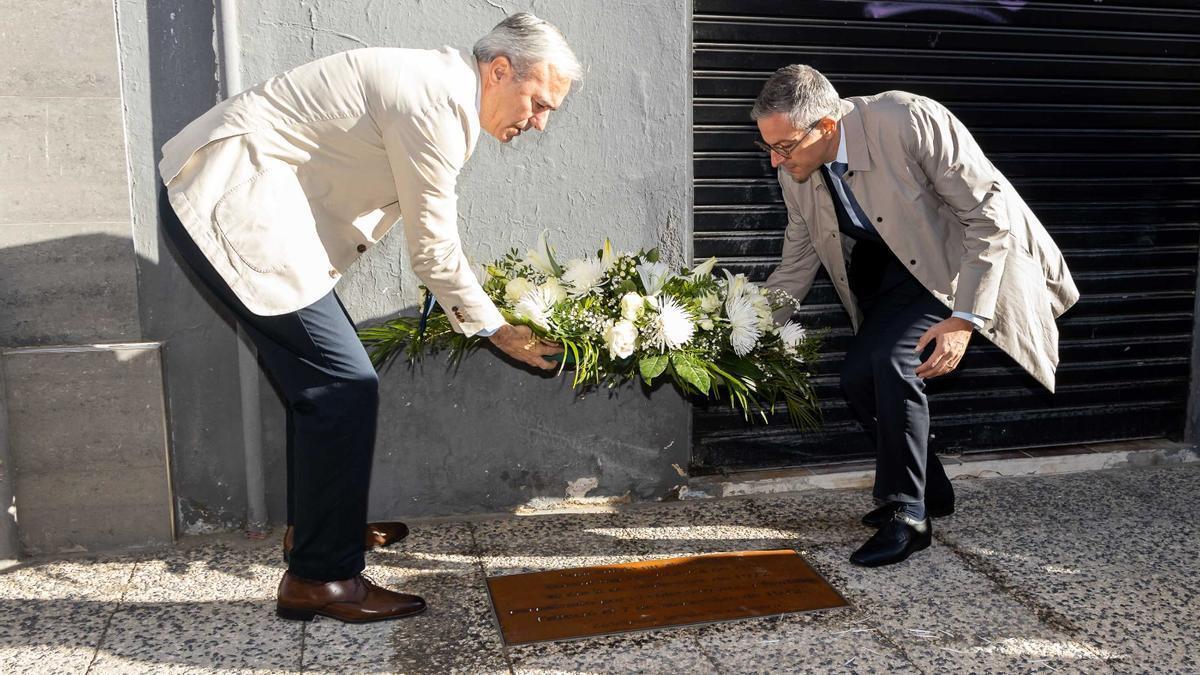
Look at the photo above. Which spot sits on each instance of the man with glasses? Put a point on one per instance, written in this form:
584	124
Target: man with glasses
926	242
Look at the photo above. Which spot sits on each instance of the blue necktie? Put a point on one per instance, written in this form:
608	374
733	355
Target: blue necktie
838	169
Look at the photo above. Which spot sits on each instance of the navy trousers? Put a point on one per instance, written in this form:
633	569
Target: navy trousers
879	378
331	392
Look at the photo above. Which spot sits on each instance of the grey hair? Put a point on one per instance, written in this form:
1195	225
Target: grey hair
799	91
527	41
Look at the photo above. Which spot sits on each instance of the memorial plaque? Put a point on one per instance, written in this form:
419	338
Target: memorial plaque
587	601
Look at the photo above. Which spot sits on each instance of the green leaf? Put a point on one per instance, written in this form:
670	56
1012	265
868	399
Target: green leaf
692	370
652	366
653	255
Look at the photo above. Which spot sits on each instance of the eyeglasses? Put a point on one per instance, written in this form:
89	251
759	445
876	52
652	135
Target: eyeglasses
786	151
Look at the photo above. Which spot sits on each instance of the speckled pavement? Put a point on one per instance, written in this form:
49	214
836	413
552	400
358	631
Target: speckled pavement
1088	572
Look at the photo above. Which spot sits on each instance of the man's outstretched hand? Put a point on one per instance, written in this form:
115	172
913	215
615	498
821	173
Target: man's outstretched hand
520	343
952	336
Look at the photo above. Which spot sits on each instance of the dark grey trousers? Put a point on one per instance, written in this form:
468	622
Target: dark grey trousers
879	381
316	362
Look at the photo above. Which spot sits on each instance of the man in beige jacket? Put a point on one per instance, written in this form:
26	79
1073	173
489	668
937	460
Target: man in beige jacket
926	242
274	192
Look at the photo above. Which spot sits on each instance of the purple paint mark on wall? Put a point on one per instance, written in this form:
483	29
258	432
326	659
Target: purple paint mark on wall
995	11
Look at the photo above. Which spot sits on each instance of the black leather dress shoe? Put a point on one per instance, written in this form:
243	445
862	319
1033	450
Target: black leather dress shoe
899	538
933	507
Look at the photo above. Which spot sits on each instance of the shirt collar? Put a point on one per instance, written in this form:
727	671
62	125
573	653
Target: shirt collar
843	155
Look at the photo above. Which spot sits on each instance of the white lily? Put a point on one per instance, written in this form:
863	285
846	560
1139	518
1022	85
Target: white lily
704	269
541	257
654	276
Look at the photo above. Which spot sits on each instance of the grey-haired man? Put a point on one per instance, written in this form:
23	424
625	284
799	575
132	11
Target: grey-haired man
925	242
276	191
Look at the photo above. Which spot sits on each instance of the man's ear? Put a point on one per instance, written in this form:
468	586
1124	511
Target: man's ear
500	68
827	125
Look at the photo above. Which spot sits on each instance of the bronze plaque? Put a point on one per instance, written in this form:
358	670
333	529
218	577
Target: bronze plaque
586	601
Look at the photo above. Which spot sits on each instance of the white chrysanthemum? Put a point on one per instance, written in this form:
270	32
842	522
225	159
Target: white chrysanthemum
582	274
791	334
744	326
515	288
671	326
535	306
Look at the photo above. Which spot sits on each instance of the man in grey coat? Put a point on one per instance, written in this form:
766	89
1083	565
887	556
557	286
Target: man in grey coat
926	243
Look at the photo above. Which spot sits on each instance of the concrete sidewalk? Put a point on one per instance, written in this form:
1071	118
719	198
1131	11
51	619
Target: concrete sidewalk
1091	572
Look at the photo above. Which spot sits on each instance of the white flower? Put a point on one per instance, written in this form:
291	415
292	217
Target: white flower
515	288
554	290
671	327
762	307
709	302
654	276
632	306
608	257
582	274
541	257
736	286
791	334
704	269
621	339
744	324
535	306
705	323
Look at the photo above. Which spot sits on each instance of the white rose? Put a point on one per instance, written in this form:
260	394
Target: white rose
621	339
515	288
554	290
706	323
632	306
709	302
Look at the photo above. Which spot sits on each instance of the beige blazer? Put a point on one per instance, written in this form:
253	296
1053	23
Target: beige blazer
950	216
285	185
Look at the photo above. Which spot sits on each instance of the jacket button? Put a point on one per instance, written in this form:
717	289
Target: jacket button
949	297
912	262
333	273
362	248
850	175
834	235
879	219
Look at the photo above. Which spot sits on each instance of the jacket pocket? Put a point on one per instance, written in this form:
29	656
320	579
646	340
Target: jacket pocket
265	219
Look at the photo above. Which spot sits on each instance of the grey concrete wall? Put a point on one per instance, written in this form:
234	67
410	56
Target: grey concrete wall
66	272
80	411
89	459
615	161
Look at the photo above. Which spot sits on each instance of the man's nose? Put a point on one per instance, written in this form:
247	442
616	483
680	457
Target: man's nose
539	120
776	160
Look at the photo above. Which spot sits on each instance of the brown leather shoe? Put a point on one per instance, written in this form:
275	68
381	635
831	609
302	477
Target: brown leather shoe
378	535
354	600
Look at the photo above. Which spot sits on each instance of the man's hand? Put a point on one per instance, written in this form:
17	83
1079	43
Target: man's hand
952	336
520	343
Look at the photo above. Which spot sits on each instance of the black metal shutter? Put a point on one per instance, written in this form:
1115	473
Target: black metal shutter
1089	108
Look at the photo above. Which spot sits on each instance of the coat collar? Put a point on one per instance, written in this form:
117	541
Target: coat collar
855	134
